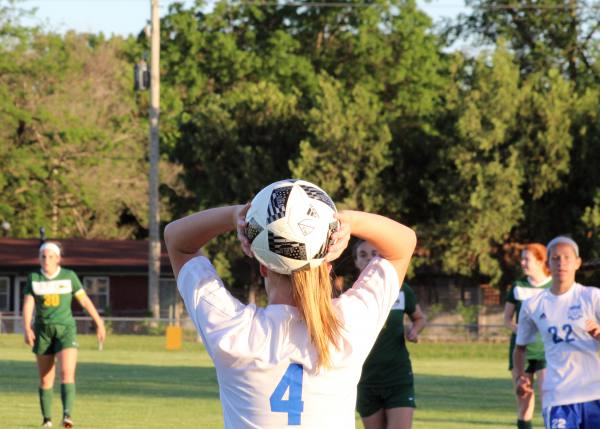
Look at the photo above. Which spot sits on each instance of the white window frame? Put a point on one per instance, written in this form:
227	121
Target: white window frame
6	292
172	283
87	279
17	298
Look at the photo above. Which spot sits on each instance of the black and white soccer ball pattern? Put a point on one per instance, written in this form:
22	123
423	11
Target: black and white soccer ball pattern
290	223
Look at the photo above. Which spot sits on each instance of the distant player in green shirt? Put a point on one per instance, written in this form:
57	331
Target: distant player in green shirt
386	394
53	334
533	263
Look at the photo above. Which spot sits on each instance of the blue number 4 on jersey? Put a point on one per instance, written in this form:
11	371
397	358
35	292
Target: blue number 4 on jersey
293	406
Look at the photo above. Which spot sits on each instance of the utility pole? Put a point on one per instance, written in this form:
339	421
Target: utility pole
154	217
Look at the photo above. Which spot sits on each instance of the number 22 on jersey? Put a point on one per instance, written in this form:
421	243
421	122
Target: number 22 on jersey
294	405
567	330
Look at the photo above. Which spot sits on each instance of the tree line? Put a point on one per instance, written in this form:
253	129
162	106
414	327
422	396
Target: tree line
480	152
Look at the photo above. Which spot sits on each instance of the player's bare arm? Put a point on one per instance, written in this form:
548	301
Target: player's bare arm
522	381
28	306
89	306
393	241
509	316
184	237
419	320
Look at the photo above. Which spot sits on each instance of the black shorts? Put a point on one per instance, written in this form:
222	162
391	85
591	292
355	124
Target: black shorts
370	399
535	365
532	366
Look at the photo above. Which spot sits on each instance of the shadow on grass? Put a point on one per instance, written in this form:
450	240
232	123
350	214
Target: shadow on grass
458	392
468	422
460	400
120	380
463	393
464	400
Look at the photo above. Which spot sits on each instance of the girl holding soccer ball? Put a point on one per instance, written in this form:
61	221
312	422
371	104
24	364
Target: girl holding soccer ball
297	361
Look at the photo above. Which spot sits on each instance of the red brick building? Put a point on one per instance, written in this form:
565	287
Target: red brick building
113	272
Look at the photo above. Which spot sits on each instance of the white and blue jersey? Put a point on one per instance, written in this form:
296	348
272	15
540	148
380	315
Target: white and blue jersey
573	365
265	361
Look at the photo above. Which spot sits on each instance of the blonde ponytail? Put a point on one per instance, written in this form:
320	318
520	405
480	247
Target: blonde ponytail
312	294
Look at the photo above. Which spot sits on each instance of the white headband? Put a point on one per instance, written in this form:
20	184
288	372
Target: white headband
561	239
50	246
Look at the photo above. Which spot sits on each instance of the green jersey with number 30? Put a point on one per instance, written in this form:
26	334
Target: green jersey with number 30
53	296
389	361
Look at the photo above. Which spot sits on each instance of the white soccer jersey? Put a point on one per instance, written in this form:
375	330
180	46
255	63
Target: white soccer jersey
265	361
573	365
522	293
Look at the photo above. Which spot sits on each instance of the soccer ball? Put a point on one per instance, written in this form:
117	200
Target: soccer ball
290	223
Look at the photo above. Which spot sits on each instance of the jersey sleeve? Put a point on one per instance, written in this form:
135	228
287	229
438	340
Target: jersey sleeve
510	295
410	304
216	314
365	307
76	284
526	331
28	289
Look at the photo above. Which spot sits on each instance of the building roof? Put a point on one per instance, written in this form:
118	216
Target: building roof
108	255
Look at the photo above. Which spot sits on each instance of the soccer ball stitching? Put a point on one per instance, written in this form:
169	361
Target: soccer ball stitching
290	224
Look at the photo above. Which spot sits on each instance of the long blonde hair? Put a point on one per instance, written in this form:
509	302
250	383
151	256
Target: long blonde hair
312	293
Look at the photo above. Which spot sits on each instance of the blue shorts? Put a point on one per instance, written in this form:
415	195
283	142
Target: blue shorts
584	415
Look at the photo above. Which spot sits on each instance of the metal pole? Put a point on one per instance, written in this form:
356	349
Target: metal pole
154	218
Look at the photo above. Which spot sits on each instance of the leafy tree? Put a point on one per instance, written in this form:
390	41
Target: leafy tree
585	180
346	130
266	92
481	200
73	156
543	34
544	132
476	153
556	47
235	143
545	143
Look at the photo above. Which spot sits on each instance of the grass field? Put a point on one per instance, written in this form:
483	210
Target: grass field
135	383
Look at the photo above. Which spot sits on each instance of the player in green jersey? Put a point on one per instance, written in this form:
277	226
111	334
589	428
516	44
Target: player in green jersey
53	334
533	263
386	394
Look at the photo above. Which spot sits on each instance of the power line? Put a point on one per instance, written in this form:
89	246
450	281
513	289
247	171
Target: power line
328	4
540	7
354	4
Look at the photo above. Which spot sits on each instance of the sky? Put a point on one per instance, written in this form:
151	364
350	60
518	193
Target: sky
125	17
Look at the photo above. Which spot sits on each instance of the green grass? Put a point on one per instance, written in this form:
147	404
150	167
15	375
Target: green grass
135	383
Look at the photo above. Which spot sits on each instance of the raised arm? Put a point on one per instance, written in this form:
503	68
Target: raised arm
393	241
185	237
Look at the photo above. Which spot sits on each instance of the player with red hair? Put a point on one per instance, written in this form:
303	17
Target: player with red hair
537	278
